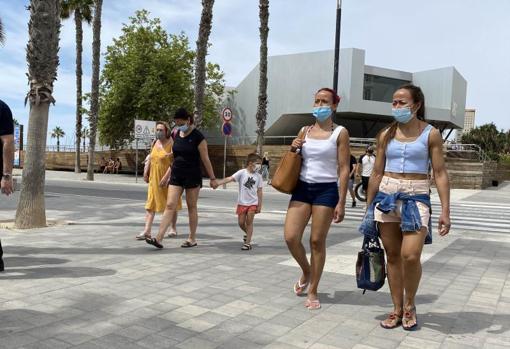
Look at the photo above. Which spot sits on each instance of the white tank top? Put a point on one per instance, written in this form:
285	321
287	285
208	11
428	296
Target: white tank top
320	159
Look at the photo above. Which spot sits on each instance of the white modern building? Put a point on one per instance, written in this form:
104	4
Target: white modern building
365	91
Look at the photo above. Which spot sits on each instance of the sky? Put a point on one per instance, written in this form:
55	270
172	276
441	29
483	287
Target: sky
410	35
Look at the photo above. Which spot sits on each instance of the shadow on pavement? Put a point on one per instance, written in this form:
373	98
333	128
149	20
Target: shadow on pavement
57	272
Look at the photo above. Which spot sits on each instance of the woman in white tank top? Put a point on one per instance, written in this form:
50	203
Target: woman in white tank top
326	155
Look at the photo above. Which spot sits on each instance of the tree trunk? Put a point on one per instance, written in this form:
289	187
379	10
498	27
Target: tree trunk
262	104
84	139
42	59
94	95
79	73
31	212
200	68
58	144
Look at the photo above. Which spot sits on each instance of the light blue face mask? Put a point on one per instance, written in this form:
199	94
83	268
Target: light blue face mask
402	115
183	128
322	113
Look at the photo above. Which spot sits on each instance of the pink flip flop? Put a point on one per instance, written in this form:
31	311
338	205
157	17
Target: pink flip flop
313	305
299	288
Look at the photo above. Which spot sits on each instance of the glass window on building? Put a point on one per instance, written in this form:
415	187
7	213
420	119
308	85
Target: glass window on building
380	88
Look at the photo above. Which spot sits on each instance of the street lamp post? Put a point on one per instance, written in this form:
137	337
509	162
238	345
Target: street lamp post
337	44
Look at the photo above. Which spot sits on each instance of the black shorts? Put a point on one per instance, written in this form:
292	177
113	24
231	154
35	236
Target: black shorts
364	182
186	178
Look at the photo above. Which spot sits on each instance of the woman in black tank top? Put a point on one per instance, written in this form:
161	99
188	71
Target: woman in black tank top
189	149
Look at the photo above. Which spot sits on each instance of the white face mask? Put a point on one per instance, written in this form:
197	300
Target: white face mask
258	167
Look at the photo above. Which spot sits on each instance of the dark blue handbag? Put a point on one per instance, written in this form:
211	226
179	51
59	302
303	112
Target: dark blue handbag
370	266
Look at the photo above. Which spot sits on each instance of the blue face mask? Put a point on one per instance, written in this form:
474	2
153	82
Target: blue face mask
183	128
402	115
322	113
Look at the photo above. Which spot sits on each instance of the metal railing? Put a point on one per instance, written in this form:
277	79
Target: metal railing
468	151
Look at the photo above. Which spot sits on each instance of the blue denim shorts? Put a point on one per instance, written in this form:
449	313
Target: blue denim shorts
323	194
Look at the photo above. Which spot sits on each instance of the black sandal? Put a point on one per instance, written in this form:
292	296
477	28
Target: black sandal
246	247
153	242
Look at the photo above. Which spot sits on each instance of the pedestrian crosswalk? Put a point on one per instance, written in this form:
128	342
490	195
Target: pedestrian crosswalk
464	216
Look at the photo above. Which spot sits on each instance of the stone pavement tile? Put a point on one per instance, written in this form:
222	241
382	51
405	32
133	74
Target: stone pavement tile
163	307
197	343
209	304
217	335
363	346
281	345
212	318
494	346
467	339
387	342
89	345
419	343
234	308
180	300
157	341
453	345
233	326
176	316
284	320
74	338
16	340
177	333
156	323
192	309
265	312
272	329
115	341
98	329
237	343
135	332
196	325
47	344
395	334
254	336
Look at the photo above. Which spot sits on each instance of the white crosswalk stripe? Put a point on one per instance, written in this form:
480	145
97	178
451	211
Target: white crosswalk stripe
464	216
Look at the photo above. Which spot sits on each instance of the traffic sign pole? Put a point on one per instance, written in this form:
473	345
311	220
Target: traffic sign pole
136	162
225	161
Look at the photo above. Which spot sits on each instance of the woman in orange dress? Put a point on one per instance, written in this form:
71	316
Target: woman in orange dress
160	158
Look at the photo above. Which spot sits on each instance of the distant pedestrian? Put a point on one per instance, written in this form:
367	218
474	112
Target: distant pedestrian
325	151
157	174
6	157
366	166
352	173
398	199
265	168
189	149
249	200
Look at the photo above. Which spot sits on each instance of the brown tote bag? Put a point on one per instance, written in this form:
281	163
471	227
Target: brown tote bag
287	173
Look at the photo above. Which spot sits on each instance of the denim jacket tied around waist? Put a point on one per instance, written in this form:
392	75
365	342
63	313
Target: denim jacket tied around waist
410	215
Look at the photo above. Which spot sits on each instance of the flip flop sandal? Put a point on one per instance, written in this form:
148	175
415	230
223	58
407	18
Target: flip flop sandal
246	247
299	288
153	242
313	305
172	234
397	321
142	236
187	244
408	317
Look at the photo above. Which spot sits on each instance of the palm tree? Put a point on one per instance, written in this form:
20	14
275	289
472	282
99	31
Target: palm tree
200	67
262	106
82	10
2	35
94	93
85	133
42	59
57	133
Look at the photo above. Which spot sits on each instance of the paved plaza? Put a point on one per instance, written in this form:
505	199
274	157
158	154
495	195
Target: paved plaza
87	283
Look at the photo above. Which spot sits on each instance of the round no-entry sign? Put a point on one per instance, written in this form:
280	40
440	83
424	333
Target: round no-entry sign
226	114
226	129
